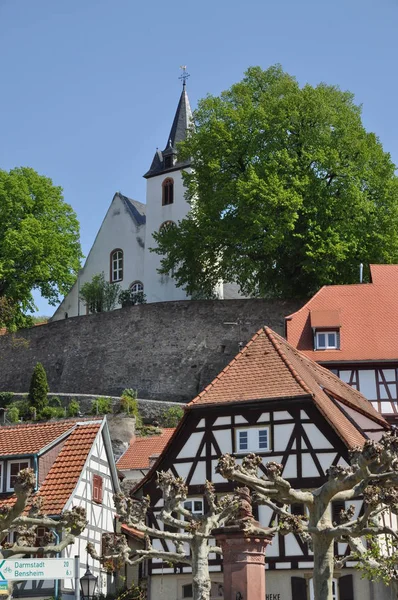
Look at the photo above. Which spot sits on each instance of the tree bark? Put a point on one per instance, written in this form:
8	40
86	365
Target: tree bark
323	566
201	583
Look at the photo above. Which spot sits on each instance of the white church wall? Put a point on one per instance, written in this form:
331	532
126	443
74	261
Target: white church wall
159	288
118	230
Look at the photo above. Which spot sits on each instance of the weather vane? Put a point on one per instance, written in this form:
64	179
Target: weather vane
184	75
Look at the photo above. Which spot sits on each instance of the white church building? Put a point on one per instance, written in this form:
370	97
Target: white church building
121	249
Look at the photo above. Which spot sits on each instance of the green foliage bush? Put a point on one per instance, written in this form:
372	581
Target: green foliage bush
172	416
5	399
38	388
101	406
129	404
100	295
55	401
51	412
23	408
73	409
13	414
128	298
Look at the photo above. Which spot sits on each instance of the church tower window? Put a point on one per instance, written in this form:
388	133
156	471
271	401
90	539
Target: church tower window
167	191
136	287
167	225
116	273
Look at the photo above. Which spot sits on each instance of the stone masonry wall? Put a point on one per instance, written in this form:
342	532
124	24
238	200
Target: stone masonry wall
166	351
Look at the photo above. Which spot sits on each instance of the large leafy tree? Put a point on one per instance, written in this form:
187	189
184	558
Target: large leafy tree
39	243
288	191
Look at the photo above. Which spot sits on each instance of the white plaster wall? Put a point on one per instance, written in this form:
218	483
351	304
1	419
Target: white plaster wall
118	230
159	288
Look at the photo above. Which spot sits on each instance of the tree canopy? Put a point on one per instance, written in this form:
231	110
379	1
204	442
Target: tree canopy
39	243
288	191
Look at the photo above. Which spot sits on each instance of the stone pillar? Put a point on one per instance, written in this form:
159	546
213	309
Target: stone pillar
243	563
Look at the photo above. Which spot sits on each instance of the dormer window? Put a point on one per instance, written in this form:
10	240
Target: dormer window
168	162
326	340
167	191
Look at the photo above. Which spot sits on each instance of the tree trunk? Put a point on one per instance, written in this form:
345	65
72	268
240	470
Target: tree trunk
200	570
323	566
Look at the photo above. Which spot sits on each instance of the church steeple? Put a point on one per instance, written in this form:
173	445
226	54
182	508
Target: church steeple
166	160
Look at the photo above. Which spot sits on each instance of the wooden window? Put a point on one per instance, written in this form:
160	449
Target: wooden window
168	162
253	439
14	466
97	489
299	588
337	507
338	589
167	191
326	340
187	591
116	269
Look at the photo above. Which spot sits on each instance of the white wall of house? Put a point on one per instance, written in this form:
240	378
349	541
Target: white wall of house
118	230
100	516
159	288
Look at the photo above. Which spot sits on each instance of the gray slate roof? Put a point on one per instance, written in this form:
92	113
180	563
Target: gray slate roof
178	133
136	209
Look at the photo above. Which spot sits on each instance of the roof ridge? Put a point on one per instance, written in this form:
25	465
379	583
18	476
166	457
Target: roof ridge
227	367
271	336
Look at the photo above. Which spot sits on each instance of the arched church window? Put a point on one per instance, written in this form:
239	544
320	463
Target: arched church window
116	273
167	225
167	191
136	287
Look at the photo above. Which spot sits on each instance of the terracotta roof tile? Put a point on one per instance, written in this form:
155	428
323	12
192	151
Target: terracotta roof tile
269	368
369	319
64	474
29	438
141	449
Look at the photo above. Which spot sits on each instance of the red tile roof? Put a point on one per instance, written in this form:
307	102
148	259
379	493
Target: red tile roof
29	438
64	474
368	314
130	531
141	449
270	368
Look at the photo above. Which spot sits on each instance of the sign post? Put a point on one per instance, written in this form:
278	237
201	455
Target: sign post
36	568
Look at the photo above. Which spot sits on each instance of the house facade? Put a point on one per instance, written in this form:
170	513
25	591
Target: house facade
74	466
274	401
351	330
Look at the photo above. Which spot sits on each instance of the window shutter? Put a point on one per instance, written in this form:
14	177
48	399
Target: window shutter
346	588
299	588
97	489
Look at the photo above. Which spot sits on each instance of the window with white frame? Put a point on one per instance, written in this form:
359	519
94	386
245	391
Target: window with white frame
326	340
194	505
14	466
335	590
136	287
116	265
252	439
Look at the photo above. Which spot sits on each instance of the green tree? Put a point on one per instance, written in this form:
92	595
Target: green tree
100	295
39	243
288	191
38	389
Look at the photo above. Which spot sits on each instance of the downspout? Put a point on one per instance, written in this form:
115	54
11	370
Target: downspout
56	581
36	470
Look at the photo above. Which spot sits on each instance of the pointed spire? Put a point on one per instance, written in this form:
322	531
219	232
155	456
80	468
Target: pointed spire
178	133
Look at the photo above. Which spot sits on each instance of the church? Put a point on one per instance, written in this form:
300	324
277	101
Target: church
121	249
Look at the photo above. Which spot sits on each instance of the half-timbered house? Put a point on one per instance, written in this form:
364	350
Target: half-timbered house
352	330
274	401
74	466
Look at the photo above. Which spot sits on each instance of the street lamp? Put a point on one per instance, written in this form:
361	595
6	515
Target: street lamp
88	583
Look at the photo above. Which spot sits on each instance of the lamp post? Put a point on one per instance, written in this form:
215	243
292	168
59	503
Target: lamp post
88	583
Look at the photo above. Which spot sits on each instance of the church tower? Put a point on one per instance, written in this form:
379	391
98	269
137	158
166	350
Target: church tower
165	201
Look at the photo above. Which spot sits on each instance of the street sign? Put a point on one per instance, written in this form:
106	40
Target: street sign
36	568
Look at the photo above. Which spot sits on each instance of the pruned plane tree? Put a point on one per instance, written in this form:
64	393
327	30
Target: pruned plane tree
21	519
372	535
190	534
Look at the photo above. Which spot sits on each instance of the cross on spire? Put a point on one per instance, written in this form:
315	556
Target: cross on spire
184	75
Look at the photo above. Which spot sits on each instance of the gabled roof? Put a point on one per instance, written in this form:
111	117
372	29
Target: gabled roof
137	455
64	474
368	319
30	438
178	133
136	209
269	368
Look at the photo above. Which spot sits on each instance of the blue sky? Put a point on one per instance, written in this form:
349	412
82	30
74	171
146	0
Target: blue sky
89	87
